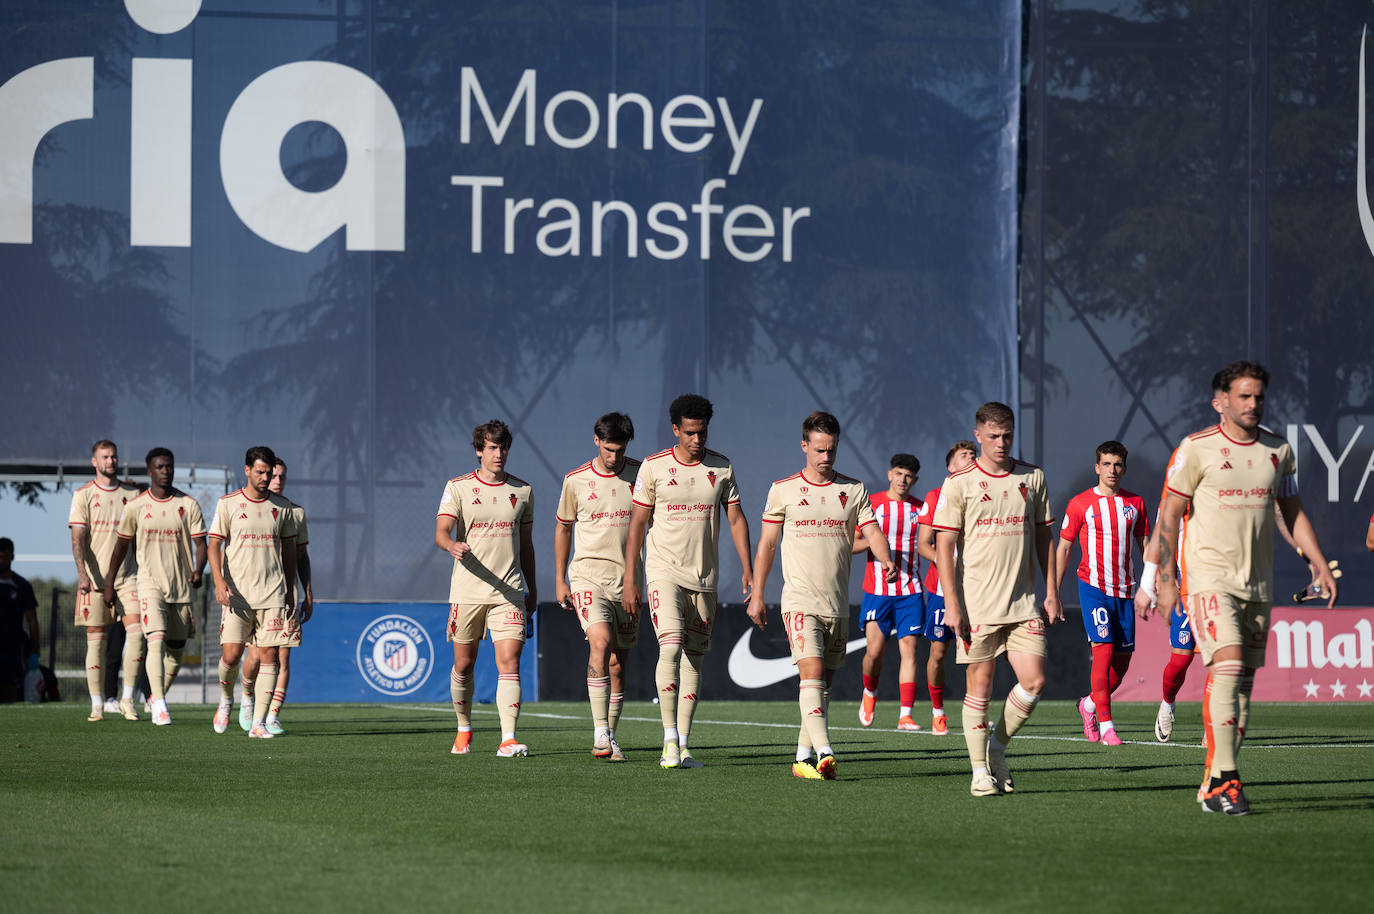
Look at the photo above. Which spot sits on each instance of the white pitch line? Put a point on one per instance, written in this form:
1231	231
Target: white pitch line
754	723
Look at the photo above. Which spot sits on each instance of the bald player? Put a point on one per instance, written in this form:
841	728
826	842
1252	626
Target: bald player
995	515
97	508
815	514
678	496
167	531
593	522
486	522
253	559
1227	479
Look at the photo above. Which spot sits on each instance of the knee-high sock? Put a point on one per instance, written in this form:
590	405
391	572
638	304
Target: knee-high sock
617	701
976	731
1175	671
156	673
1247	685
171	663
1015	712
1225	702
95	651
133	656
1121	662
687	698
508	702
1208	741
804	745
262	691
665	677
1100	680
460	689
812	706
599	694
228	672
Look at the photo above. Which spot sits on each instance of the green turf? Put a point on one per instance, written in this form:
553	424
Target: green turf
362	808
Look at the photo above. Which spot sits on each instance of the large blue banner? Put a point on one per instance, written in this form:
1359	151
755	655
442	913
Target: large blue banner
354	229
390	652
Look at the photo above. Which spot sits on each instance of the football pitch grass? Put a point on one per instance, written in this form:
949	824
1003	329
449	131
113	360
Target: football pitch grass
363	808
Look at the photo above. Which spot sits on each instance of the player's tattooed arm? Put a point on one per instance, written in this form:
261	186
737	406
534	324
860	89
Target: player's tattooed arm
739	532
1170	513
769	537
80	540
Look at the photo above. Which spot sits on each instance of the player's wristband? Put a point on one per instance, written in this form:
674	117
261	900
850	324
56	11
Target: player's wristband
1147	579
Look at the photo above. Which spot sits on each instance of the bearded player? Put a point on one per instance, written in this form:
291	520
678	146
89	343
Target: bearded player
1228	478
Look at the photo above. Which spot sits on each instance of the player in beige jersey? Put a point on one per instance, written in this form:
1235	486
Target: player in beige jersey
485	521
296	618
992	524
253	559
593	522
678	495
97	508
1227	478
815	514
168	533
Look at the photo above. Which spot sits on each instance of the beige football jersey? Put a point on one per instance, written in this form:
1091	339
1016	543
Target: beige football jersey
162	531
100	510
302	531
1228	535
489	517
253	533
818	525
996	516
683	543
599	504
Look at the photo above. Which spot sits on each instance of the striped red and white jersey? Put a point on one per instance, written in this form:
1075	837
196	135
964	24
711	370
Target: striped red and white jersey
927	517
1104	526
897	519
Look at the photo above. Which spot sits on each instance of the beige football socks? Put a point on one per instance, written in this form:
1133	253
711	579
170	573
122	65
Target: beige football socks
1016	710
156	673
665	677
688	694
508	702
599	694
1225	701
227	674
133	657
262	691
171	663
460	690
95	650
812	706
613	710
976	731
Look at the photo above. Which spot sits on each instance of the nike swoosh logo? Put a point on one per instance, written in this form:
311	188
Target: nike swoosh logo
750	671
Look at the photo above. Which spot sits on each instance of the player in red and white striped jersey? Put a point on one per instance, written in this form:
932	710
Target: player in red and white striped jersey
958	457
894	607
1103	521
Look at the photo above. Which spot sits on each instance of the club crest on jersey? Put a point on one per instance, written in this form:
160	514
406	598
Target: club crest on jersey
982	484
844	499
181	512
513	499
1274	459
711	477
274	513
591	483
1226	452
672	471
1025	491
